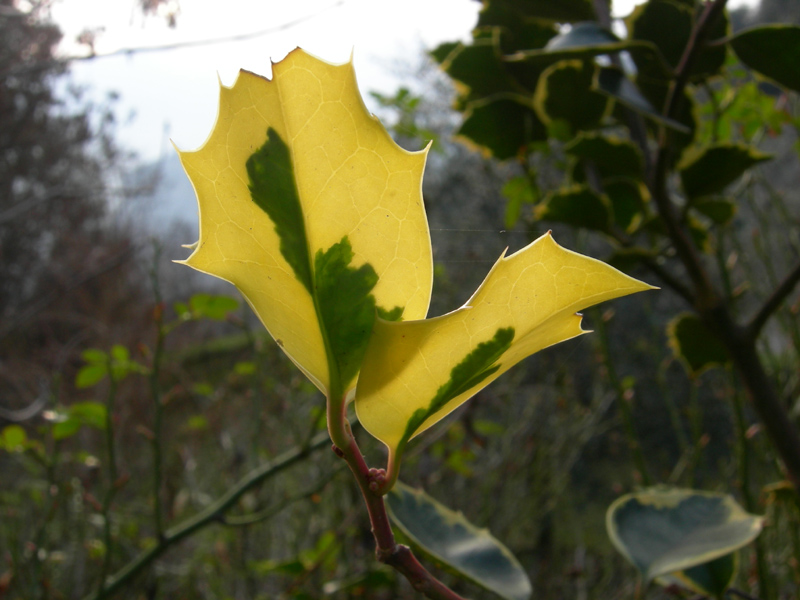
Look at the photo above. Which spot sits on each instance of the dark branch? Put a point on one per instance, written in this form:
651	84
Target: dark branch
772	303
211	514
687	252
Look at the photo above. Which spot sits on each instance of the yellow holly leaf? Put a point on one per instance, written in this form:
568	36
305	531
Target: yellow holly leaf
416	372
311	210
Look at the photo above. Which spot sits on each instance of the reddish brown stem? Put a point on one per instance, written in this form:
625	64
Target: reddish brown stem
387	550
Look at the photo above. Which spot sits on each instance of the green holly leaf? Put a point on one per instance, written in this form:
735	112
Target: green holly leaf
682	536
449	538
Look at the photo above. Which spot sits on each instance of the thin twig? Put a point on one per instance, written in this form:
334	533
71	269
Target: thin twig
623	403
686	250
268	513
211	514
741	594
210	41
155	392
112	483
772	303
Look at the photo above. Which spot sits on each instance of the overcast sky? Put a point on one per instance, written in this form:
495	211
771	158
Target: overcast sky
175	91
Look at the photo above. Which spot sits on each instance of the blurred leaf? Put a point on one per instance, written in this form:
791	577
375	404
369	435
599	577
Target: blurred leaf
120	353
583	41
292	567
772	51
181	310
488	428
13	438
244	368
66	428
563	11
697	230
503	127
517	191
578	206
213	307
664	23
203	389
626	259
613	82
628	198
612	157
89	413
711	58
90	375
517	31
710	579
197	423
371	580
443	51
479	70
710	169
668	25
582	35
93	355
323	551
667	531
449	538
718	210
565	92
697	347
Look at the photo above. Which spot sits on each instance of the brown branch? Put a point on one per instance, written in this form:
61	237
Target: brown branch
772	303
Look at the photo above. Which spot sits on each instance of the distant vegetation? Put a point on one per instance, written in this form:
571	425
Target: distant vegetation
155	442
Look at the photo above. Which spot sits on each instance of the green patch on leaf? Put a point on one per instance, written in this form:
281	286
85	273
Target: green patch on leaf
346	307
396	314
273	188
772	51
447	537
473	368
696	347
709	170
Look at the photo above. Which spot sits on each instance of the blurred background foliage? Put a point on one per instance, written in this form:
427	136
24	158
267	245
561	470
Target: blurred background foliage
135	397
